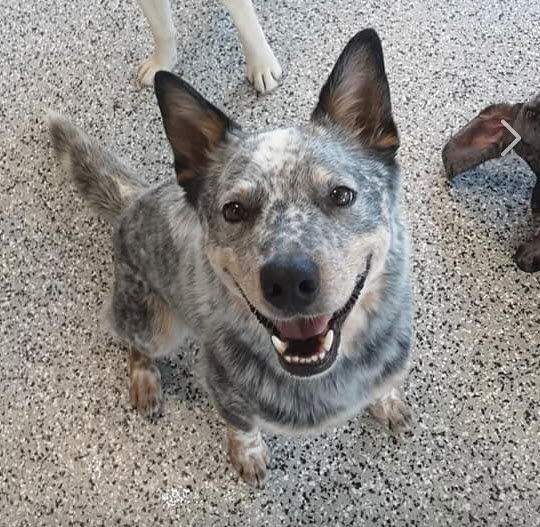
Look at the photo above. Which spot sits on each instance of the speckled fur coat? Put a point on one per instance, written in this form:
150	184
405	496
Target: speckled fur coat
284	252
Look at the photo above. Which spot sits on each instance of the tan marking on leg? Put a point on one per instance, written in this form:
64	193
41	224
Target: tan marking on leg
167	331
144	384
163	319
248	454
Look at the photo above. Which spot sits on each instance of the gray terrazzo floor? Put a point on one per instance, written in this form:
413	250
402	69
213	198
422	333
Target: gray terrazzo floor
73	452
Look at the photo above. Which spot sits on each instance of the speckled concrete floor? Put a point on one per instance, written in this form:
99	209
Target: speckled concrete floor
73	452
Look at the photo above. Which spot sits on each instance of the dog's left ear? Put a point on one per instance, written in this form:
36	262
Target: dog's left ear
483	138
357	96
195	128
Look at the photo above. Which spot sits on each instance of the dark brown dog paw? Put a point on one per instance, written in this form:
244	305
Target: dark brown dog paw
527	257
535	199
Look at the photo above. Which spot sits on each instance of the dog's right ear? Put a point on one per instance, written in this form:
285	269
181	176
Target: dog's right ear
195	128
356	96
483	138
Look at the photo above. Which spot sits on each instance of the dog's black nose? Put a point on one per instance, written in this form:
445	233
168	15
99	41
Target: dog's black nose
290	282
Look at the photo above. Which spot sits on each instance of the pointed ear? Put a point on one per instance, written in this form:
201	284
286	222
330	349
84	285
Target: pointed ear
195	128
357	97
483	138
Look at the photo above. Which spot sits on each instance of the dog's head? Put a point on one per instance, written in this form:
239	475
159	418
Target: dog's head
486	136
293	219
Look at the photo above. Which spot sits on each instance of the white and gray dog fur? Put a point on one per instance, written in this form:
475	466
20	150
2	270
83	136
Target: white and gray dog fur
284	252
263	69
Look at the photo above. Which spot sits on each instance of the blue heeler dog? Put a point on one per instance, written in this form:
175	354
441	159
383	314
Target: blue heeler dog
283	251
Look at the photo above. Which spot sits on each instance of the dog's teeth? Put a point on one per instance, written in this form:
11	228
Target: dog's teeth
303	360
281	347
294	358
320	355
287	358
328	340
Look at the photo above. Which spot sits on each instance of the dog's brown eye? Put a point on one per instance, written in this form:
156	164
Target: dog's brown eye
234	212
342	196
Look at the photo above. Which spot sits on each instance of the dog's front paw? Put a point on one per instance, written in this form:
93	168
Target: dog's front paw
528	256
263	70
393	411
248	454
161	59
145	392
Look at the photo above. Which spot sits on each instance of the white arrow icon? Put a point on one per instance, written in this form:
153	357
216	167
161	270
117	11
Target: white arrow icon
514	142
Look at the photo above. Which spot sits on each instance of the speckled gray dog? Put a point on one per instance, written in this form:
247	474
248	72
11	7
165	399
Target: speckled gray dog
283	251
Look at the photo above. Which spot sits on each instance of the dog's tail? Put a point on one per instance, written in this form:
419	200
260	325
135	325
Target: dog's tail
100	177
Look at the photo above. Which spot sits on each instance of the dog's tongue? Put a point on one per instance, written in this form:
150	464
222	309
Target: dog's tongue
302	328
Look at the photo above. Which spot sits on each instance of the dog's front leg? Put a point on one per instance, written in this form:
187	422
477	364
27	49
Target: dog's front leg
263	69
528	255
392	410
159	16
248	454
535	198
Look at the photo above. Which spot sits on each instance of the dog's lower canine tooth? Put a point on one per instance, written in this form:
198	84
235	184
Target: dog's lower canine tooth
279	345
328	340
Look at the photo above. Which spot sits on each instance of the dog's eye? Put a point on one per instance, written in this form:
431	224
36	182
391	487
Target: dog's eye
532	113
342	196
234	212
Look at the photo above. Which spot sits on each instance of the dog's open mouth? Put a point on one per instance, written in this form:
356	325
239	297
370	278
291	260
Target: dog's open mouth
308	346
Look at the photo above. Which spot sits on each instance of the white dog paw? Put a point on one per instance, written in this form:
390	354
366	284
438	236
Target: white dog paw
263	70
159	60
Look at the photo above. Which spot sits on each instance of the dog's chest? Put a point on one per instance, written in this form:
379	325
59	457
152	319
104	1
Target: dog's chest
308	405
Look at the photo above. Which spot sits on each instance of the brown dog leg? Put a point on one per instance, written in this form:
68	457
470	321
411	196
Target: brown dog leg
535	199
528	255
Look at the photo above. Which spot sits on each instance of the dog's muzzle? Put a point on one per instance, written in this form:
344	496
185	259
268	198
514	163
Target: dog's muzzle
309	346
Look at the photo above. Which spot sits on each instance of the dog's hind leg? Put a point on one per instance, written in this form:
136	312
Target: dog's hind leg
159	16
263	69
152	331
145	391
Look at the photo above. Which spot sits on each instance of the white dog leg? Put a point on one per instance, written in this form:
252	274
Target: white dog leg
159	16
263	69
